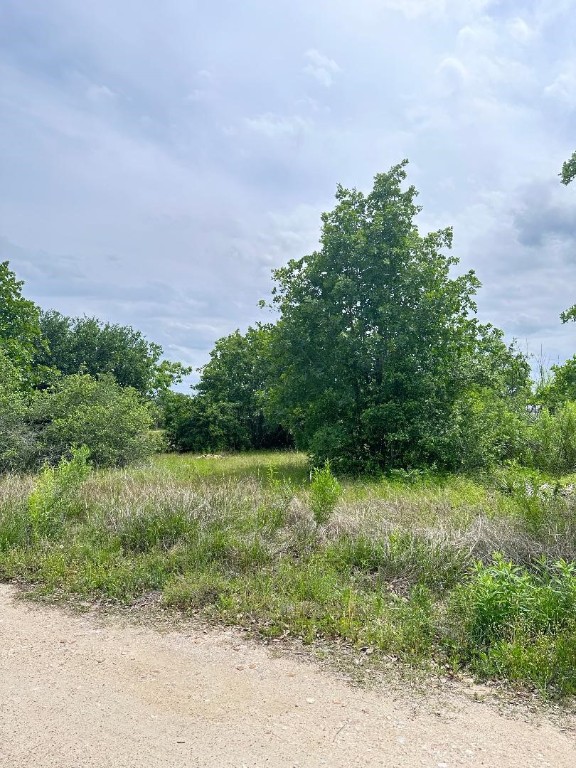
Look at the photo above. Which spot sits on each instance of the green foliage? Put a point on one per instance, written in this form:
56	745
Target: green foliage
19	325
552	440
87	345
325	492
53	497
193	590
228	413
375	344
112	421
18	445
238	544
507	615
201	424
560	386
486	429
402	557
154	528
569	169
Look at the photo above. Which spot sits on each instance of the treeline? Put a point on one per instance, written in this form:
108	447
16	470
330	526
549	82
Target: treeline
376	361
67	382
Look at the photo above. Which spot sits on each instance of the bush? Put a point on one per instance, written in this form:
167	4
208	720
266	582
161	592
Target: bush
486	429
17	441
553	440
325	490
514	623
53	498
114	422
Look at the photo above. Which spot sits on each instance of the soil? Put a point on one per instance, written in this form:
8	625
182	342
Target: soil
79	690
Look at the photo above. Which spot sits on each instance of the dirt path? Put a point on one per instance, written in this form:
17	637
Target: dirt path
77	692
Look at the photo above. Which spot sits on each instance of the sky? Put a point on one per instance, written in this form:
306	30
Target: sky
158	160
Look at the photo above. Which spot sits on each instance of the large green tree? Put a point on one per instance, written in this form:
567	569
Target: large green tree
376	344
88	345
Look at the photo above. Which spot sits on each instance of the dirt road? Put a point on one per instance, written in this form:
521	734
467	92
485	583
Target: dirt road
77	692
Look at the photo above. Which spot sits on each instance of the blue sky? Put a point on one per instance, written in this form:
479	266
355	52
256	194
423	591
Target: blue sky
159	159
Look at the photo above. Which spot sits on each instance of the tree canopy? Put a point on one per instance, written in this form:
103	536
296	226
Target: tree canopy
88	345
229	410
376	342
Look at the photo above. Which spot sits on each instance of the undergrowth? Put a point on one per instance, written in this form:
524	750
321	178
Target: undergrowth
474	574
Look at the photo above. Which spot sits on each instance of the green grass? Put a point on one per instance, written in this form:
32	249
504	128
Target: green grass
402	564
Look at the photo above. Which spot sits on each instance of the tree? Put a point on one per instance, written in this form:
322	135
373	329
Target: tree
560	386
376	344
238	374
201	424
229	410
19	325
86	344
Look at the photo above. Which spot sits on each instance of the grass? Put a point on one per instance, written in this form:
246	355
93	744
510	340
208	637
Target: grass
404	565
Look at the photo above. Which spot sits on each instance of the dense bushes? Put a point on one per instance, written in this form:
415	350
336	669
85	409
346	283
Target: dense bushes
113	422
231	408
49	405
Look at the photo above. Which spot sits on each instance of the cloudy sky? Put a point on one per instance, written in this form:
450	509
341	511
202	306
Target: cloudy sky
159	159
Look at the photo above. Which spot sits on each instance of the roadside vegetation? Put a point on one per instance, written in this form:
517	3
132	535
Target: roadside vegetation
430	569
420	502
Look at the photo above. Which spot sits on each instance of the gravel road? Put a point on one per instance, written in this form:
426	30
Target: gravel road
78	691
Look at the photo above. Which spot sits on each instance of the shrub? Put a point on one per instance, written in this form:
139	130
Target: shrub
17	440
486	429
553	440
53	497
325	491
514	623
114	422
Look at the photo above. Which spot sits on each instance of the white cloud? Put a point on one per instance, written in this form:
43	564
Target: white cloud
100	93
278	126
438	8
563	87
521	31
320	67
452	75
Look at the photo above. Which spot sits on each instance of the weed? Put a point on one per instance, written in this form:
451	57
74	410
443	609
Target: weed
53	497
325	491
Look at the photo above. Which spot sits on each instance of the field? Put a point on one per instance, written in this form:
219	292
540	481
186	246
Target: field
472	574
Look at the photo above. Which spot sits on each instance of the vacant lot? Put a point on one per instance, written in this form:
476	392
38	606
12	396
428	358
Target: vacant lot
452	573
